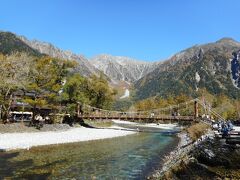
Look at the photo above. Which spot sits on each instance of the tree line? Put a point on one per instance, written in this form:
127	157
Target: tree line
53	83
227	107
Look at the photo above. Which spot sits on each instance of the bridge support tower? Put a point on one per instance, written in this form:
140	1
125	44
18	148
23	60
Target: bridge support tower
195	109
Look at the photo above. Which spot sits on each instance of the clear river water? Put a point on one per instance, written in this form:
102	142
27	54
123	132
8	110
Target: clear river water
129	157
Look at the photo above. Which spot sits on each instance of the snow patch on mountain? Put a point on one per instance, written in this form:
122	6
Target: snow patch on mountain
126	94
197	77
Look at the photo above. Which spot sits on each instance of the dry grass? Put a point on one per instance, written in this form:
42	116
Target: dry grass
99	123
195	131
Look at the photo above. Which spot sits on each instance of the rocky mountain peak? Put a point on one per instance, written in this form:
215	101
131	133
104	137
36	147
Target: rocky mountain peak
120	68
10	43
213	66
235	69
227	40
85	67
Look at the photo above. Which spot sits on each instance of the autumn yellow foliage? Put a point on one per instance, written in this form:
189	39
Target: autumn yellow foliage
195	131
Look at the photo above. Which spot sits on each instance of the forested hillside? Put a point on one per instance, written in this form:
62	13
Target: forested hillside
200	67
9	43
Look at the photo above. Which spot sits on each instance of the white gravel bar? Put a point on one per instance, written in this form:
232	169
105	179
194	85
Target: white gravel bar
123	122
11	141
150	125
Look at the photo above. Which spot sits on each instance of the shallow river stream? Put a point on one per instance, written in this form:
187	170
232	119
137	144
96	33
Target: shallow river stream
130	157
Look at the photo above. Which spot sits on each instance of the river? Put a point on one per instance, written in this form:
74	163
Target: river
130	157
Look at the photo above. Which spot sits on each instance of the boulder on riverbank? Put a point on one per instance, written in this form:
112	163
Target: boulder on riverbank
212	159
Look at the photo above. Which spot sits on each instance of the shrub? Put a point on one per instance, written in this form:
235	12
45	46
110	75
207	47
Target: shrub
195	131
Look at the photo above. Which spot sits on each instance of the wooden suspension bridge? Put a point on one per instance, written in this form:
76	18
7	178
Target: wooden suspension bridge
171	113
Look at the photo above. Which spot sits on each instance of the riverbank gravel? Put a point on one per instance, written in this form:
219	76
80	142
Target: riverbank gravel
23	128
185	146
26	140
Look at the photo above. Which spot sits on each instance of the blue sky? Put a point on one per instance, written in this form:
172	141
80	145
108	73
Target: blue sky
143	29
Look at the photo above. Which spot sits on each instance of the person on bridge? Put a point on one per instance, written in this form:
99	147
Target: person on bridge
224	131
152	115
229	125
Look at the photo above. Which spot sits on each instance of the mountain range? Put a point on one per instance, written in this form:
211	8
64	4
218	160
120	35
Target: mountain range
115	67
120	68
84	67
213	66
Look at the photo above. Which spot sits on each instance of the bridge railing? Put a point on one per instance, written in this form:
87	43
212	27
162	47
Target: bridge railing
138	117
160	113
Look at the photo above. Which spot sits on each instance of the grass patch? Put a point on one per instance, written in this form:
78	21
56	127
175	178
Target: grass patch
226	173
195	131
99	123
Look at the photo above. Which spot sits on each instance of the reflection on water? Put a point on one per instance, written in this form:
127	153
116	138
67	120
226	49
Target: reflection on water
129	157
